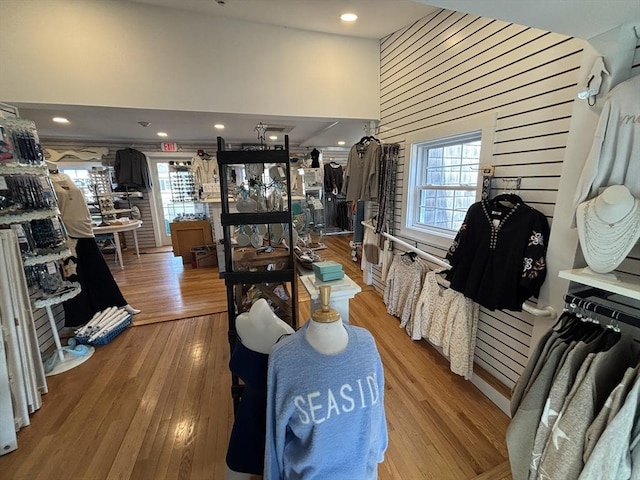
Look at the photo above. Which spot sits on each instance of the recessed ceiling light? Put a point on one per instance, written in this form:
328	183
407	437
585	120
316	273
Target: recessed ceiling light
341	142
60	120
273	137
219	126
163	134
348	17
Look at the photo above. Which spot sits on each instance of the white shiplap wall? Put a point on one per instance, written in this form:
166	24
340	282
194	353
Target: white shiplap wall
450	66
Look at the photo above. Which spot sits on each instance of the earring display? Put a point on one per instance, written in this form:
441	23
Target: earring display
41	236
19	142
28	206
26	192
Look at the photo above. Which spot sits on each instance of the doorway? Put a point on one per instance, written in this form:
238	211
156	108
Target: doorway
163	209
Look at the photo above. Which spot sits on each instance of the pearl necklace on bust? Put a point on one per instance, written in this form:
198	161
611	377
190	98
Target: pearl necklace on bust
606	244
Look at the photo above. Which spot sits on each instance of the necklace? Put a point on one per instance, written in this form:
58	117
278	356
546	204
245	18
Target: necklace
595	212
605	244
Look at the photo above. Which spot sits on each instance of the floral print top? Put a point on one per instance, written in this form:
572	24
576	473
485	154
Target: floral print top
498	258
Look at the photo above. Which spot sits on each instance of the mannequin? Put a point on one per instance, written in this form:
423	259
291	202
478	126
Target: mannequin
325	402
608	228
315	158
86	265
258	331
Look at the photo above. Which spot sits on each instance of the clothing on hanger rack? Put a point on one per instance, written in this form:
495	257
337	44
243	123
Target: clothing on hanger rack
557	403
498	258
131	168
361	174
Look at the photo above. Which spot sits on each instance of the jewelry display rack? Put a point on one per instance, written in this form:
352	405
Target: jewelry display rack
265	267
31	211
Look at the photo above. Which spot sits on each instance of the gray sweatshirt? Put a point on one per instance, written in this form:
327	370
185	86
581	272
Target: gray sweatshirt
562	457
615	456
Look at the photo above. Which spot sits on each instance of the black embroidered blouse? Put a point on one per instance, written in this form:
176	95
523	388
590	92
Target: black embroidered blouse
500	266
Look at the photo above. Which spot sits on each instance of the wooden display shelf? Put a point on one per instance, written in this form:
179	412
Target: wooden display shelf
247	259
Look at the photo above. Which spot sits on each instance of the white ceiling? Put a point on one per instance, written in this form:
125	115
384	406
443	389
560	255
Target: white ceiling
377	18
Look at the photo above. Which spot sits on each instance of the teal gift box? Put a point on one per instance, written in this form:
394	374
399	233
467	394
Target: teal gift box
327	277
328	270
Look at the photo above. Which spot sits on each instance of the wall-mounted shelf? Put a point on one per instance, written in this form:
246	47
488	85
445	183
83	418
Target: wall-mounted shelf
615	282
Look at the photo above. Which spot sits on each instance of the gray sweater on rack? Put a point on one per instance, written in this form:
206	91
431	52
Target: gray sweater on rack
617	453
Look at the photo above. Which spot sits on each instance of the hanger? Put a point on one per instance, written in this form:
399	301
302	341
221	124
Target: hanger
507	200
411	255
368	138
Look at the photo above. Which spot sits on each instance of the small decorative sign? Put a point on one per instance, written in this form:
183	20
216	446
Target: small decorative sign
169	147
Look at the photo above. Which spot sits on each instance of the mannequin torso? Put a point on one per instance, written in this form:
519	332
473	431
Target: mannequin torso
73	206
325	331
327	338
259	330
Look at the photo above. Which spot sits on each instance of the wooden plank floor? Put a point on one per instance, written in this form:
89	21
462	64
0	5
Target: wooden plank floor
155	403
163	288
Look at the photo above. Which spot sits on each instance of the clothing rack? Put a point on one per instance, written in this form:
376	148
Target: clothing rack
546	311
585	300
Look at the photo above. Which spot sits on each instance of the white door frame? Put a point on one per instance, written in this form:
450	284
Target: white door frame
154	197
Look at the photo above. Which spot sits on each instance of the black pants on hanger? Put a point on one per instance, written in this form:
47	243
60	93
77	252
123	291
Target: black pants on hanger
100	291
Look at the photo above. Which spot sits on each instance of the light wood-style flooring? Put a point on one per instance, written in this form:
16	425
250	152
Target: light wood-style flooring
155	403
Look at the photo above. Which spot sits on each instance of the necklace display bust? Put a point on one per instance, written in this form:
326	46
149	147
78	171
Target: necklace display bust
608	228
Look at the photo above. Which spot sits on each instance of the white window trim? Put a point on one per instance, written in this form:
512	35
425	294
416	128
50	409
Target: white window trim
486	124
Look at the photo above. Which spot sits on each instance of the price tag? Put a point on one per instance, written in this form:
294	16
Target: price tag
51	268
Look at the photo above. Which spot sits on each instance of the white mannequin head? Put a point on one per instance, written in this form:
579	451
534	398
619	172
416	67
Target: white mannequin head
260	328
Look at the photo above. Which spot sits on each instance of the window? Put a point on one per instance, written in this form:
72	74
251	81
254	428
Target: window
442	176
446	181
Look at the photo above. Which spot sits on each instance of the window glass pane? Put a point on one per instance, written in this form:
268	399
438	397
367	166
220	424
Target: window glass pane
447	180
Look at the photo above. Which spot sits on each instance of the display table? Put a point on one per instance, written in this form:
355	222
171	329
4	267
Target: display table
115	229
342	291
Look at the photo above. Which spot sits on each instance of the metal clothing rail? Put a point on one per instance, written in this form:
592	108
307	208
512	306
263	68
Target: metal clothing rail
589	300
546	311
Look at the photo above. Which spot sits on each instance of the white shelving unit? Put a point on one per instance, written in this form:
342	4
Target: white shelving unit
615	282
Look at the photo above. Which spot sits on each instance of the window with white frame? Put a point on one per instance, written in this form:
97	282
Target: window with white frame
445	182
442	177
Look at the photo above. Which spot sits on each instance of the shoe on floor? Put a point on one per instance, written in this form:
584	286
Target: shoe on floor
129	309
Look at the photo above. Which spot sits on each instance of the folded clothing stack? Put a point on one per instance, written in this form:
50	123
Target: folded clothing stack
328	270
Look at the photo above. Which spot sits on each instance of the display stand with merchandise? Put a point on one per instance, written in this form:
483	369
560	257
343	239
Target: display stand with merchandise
29	207
258	235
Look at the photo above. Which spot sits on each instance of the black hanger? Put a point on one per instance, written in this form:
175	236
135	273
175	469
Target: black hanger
564	319
367	139
411	255
507	199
